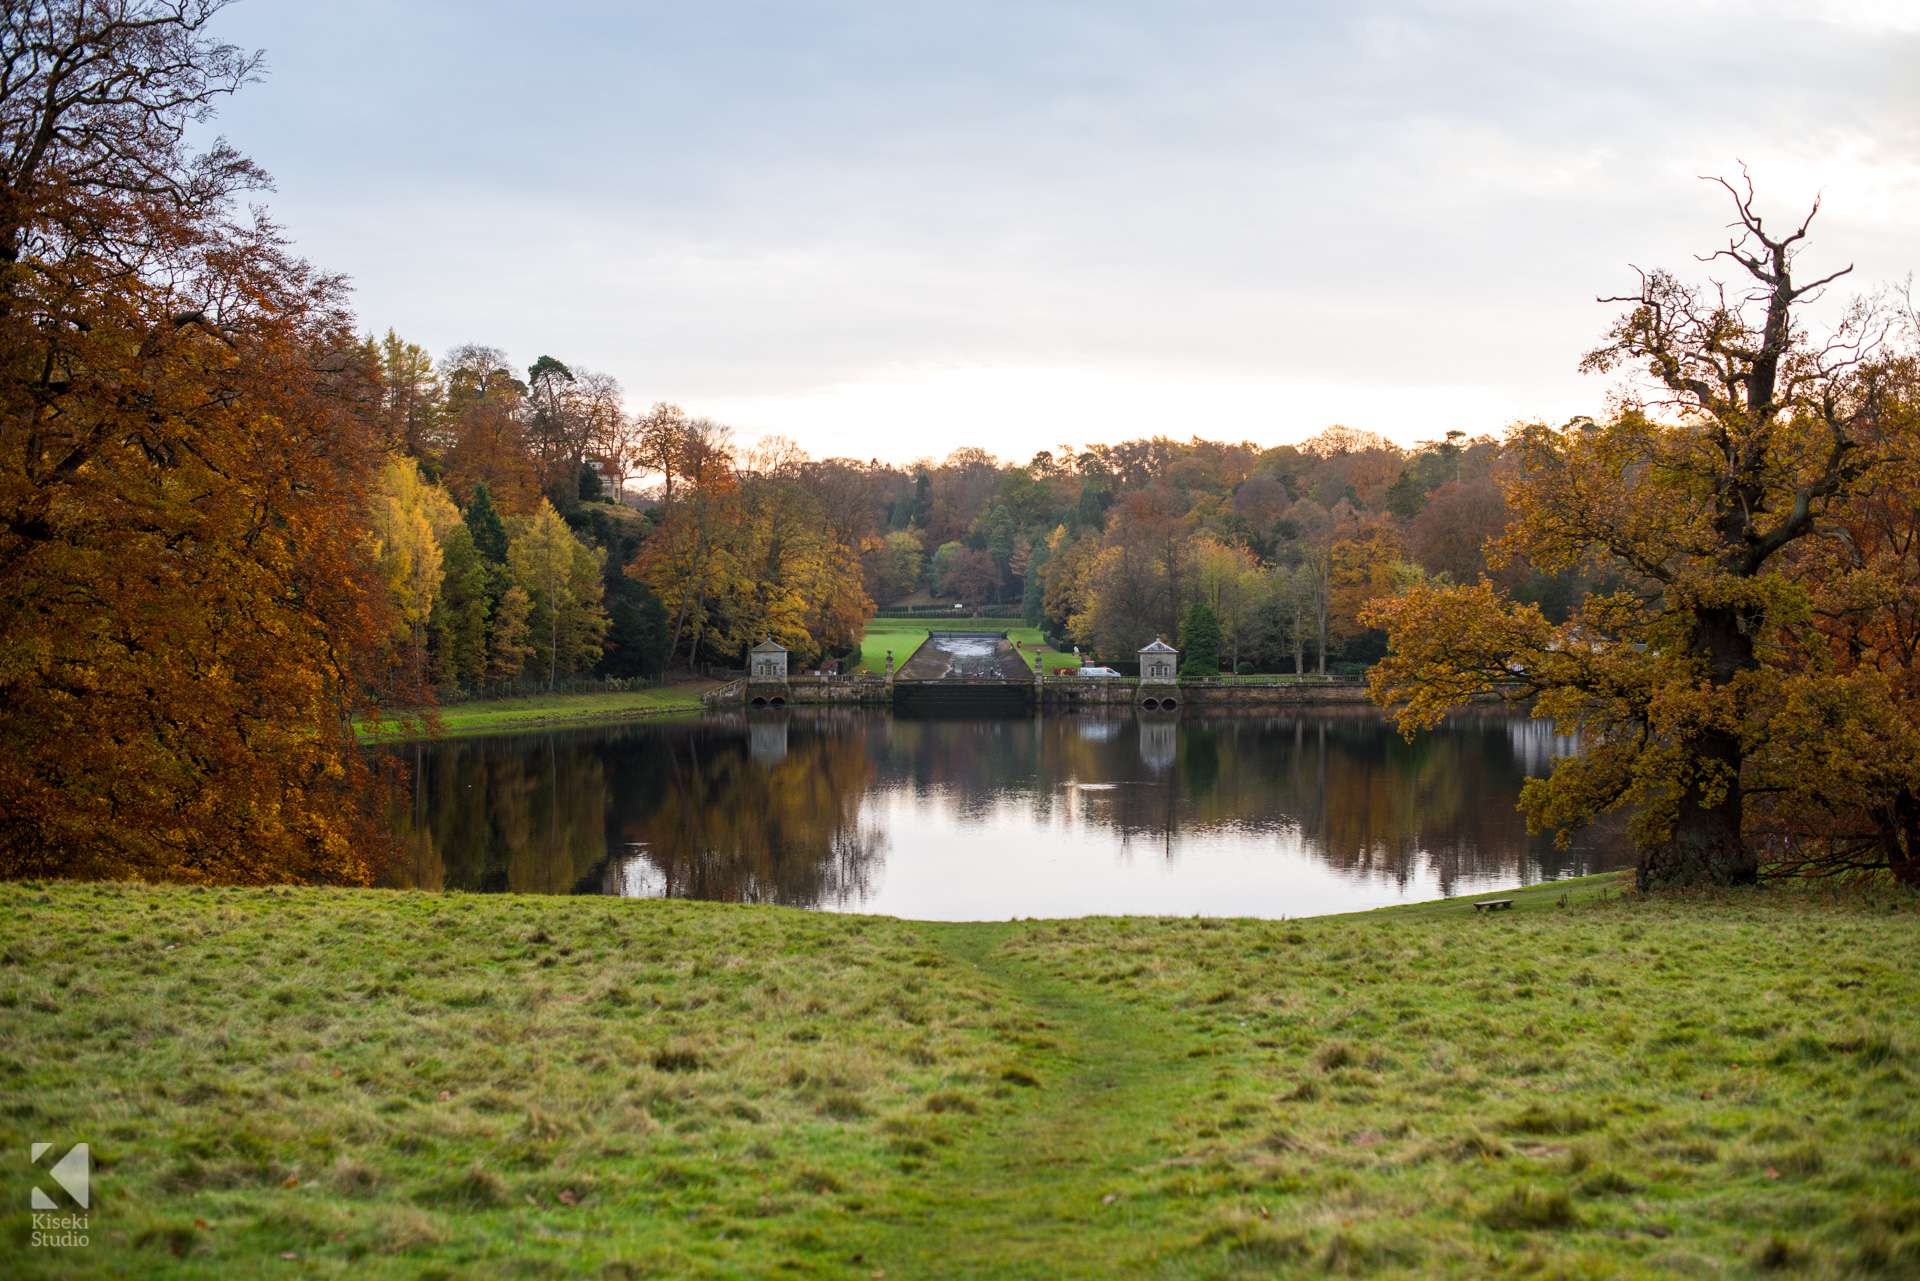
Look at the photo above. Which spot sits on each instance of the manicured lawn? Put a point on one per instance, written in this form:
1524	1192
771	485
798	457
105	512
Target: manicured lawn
553	709
386	1084
903	637
883	634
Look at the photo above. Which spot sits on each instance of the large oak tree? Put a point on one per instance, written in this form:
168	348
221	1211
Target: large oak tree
1741	438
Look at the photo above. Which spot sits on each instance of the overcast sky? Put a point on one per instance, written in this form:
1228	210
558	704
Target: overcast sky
890	229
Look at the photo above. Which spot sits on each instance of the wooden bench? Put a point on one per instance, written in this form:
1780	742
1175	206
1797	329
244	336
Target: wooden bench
1493	905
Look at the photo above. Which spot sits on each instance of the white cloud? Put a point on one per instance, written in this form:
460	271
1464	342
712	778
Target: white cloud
895	223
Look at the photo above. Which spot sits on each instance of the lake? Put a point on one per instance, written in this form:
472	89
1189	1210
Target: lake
991	817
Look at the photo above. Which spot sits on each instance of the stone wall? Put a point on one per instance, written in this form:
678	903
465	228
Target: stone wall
1305	692
1057	693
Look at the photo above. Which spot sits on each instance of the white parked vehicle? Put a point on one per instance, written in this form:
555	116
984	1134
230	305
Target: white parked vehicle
1100	673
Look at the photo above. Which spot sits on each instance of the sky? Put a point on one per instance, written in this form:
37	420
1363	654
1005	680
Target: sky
888	230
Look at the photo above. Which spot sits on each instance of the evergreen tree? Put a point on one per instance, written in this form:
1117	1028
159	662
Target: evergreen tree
1086	515
637	636
1033	608
1405	498
1200	642
484	523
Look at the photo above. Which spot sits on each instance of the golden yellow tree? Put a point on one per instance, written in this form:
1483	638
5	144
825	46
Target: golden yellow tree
407	519
560	576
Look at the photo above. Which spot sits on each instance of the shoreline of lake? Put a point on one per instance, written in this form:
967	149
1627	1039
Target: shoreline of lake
546	711
1295	812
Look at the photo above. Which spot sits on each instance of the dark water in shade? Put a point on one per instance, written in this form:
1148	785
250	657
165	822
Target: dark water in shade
989	817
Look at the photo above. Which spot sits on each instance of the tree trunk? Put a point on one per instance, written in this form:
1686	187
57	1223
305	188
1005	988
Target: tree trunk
679	621
1322	654
1903	843
1707	845
1299	635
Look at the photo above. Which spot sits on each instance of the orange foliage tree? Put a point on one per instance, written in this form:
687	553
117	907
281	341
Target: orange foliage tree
1741	678
186	609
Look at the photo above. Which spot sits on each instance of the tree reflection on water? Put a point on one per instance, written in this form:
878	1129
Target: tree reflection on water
785	807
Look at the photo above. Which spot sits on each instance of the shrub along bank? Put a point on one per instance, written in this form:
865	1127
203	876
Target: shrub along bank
400	1084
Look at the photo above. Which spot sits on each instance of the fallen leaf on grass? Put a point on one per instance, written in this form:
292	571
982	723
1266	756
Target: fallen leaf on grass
200	1223
1772	1173
568	1198
530	1201
445	1095
1109	1198
290	1181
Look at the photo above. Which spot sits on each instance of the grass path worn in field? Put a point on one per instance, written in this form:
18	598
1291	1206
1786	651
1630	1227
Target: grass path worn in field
1039	1196
408	1085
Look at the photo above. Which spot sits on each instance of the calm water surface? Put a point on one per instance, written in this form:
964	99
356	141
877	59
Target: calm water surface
1318	811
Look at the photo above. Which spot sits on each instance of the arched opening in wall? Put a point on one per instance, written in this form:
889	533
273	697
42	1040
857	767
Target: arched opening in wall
1167	704
1150	703
759	702
778	701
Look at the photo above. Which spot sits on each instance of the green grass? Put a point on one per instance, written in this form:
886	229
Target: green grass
506	714
391	1084
904	636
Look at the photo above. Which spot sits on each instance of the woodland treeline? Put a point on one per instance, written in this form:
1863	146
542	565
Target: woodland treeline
723	542
1104	545
231	525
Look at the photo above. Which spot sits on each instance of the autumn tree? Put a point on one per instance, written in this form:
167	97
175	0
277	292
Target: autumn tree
612	435
408	520
1741	439
561	579
660	444
685	556
485	406
897	566
188	615
1227	580
411	399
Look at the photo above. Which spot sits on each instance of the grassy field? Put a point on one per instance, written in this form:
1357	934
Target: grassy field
903	636
382	1084
512	714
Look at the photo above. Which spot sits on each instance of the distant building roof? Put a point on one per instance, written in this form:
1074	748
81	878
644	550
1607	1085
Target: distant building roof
1158	647
768	646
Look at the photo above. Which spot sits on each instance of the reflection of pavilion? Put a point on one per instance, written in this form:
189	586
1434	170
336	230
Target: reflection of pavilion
633	876
767	741
1536	748
1157	744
